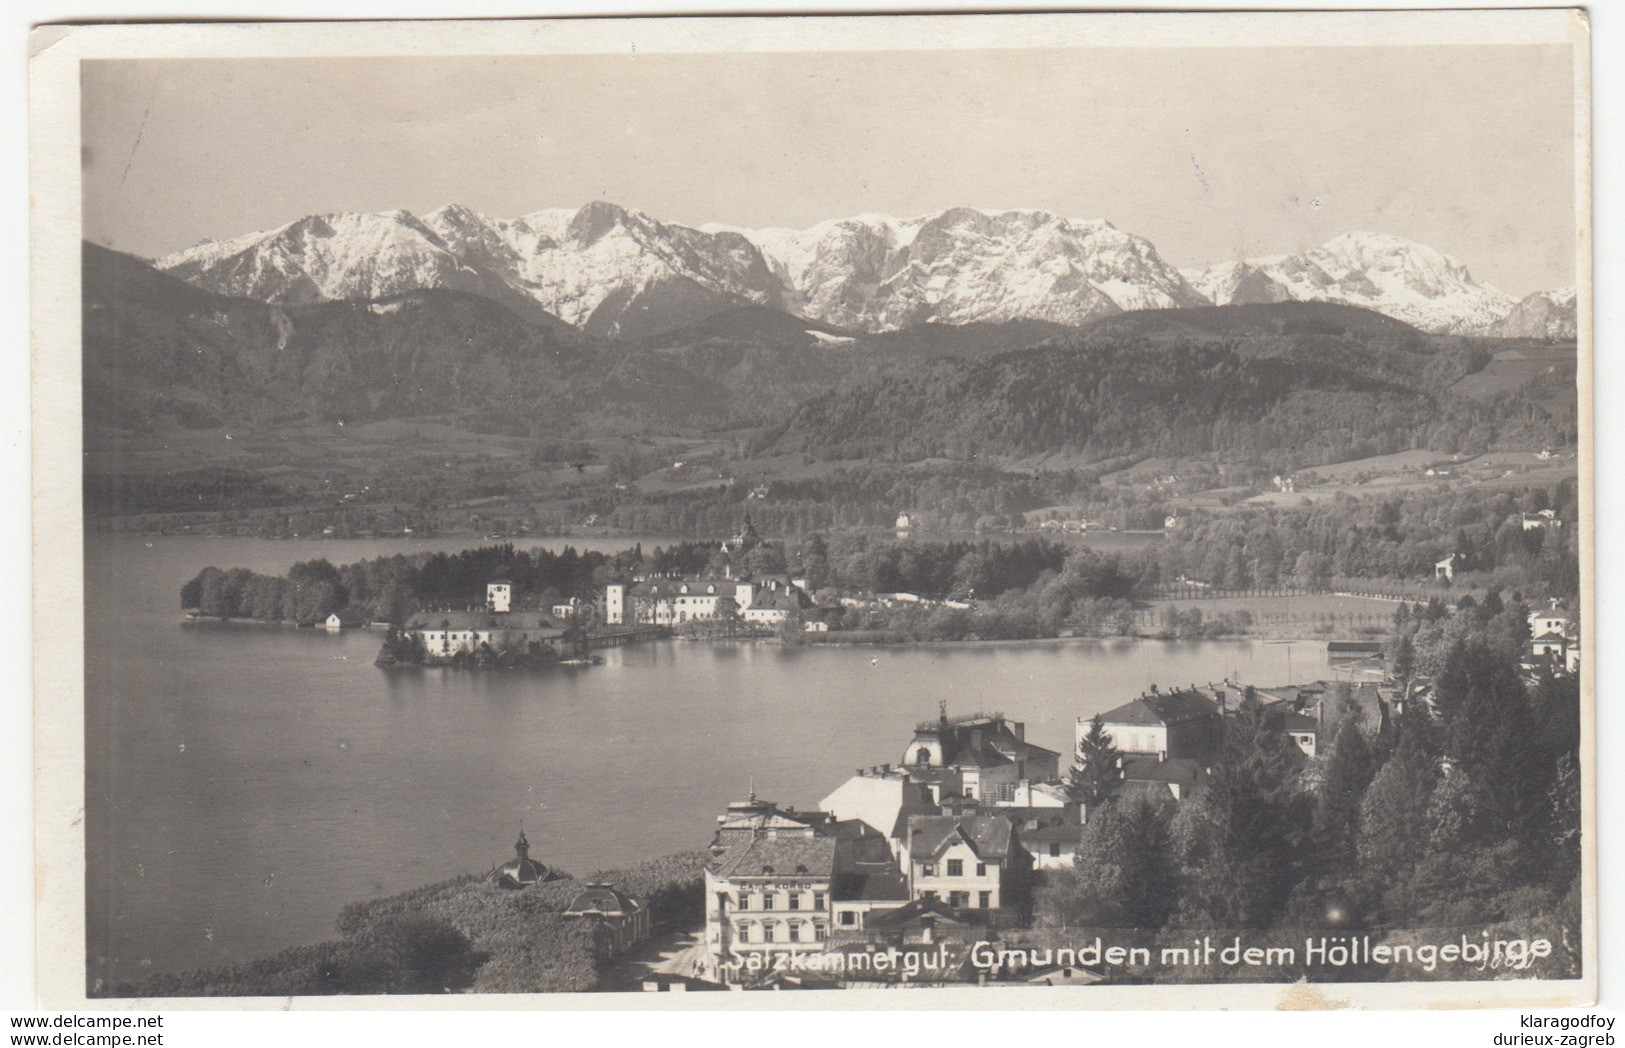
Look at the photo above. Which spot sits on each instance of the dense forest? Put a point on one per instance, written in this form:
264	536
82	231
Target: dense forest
1283	400
1459	818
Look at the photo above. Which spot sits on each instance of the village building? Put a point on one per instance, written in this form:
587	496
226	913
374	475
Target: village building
1050	835
751	819
494	629
624	918
672	602
970	862
882	798
1545	518
777	602
573	609
1552	619
521	871
867	885
771	894
343	619
1183	723
989	753
1446	568
1179	777
1555	650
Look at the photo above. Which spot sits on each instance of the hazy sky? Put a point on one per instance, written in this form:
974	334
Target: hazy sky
1209	153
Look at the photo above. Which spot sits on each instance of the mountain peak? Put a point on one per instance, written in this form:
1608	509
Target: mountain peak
1378	271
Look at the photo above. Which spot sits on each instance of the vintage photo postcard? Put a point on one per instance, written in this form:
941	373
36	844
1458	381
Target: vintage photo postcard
1093	507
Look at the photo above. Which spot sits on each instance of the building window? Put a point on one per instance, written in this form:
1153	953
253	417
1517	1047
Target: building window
981	869
848	918
922	756
956	868
743	930
928	870
1055	849
956	899
795	900
820	931
744	900
767	900
795	931
984	900
769	928
818	900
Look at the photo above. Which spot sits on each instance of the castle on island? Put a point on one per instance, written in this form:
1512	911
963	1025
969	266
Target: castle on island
495	629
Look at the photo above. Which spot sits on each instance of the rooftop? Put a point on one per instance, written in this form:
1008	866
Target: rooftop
989	836
1174	707
778	857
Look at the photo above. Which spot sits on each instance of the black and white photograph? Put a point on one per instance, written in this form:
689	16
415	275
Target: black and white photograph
1090	506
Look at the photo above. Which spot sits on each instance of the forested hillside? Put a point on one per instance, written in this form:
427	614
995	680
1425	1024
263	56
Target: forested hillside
1290	385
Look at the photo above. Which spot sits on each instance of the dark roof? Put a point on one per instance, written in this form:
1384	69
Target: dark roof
778	857
481	620
981	742
518	872
910	914
1299	722
876	881
1044	825
989	836
1180	770
1175	707
916	773
787	597
695	587
602	900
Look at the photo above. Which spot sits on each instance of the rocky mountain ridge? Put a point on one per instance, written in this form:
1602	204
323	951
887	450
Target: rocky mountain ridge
615	272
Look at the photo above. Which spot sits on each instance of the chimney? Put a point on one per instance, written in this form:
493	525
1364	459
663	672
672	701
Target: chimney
886	768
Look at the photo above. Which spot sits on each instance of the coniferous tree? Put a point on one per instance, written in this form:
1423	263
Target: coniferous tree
1098	771
1241	845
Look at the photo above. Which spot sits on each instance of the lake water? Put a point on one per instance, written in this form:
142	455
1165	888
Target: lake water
244	783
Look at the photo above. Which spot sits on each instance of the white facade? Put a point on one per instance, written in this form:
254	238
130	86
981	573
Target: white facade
499	595
957	877
672	603
1150	740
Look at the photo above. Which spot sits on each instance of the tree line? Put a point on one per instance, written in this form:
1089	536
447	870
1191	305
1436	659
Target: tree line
1461	813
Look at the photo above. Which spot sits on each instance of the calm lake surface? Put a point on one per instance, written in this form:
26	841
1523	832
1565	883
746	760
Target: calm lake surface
244	783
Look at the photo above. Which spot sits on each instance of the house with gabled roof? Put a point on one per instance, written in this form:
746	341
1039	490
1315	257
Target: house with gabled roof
1049	834
775	602
971	862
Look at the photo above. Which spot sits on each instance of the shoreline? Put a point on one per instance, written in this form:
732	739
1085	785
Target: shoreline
834	638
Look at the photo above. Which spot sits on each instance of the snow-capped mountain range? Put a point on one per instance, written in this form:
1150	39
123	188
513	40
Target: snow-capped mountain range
1402	279
618	272
1545	314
